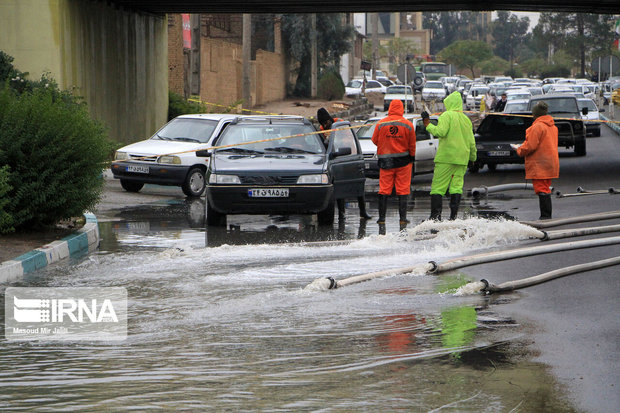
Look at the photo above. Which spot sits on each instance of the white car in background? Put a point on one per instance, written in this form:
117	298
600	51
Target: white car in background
402	93
475	95
433	90
426	146
516	106
169	156
592	128
518	94
354	87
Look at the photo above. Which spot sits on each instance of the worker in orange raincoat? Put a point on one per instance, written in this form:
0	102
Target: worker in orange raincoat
326	121
395	139
540	149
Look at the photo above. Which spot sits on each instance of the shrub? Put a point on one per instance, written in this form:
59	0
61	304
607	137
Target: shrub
330	85
554	71
55	153
6	220
178	105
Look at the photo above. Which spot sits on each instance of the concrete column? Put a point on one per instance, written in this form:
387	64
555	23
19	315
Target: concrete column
375	43
314	57
246	60
194	84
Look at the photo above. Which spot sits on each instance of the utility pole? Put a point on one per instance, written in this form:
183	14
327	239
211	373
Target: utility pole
247	61
313	56
194	57
375	43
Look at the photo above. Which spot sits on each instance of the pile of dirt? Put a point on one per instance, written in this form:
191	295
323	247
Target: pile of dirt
301	107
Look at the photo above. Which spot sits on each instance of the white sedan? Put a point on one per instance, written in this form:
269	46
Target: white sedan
433	90
354	87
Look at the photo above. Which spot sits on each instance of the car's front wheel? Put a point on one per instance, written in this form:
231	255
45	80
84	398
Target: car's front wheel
131	186
215	218
195	183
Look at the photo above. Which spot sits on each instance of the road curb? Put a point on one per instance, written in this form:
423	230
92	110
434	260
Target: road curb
84	240
613	126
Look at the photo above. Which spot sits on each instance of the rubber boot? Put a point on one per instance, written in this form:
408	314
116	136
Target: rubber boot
341	209
361	201
436	201
402	209
544	200
383	199
455	200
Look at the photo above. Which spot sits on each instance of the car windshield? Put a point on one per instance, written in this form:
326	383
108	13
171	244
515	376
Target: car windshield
278	138
434	85
367	129
559	105
188	130
354	83
515	107
399	90
436	68
518	96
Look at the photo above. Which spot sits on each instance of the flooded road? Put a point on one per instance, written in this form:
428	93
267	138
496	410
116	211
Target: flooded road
219	320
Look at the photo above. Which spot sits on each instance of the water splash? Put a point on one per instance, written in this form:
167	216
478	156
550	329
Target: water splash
469	289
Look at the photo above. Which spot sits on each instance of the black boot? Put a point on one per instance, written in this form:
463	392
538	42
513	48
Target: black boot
341	209
361	201
544	200
383	199
436	201
455	200
402	208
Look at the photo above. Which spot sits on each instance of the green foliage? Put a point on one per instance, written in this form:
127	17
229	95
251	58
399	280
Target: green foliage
532	67
330	85
466	54
450	26
509	33
494	66
513	72
178	105
55	152
333	40
557	70
6	220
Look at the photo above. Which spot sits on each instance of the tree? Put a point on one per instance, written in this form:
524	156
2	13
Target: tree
448	27
509	32
494	66
397	51
466	54
334	38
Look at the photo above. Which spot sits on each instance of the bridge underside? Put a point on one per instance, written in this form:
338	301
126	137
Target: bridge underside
325	6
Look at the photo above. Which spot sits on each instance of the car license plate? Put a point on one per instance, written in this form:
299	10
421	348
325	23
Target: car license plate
268	193
138	168
499	153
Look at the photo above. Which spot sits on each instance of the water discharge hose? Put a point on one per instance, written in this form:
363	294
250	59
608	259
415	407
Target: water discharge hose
548	276
433	268
483	190
548	223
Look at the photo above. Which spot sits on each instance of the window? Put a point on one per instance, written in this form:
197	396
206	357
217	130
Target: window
421	134
343	138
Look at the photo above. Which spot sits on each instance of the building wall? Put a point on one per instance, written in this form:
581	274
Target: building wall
116	59
221	75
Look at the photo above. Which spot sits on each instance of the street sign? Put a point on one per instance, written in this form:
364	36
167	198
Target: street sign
604	64
405	77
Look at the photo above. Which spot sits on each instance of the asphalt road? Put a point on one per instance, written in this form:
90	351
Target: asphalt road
575	327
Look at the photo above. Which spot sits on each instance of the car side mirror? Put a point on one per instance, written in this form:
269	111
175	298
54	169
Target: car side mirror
601	110
204	153
340	152
584	111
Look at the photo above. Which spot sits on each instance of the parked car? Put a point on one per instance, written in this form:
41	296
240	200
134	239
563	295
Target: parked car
592	128
475	95
516	106
169	156
433	90
285	175
354	87
426	146
419	81
518	94
402	93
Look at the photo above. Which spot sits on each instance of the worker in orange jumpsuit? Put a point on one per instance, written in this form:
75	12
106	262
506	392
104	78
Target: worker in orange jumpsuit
540	149
326	121
395	139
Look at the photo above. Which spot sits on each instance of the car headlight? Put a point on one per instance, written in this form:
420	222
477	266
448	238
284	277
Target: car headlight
169	159
313	179
121	156
224	179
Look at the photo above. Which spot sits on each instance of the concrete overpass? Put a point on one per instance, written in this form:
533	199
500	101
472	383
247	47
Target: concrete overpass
115	52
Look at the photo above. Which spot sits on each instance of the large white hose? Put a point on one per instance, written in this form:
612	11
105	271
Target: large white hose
433	268
548	276
548	223
483	190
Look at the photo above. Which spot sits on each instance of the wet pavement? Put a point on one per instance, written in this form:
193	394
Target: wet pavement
219	319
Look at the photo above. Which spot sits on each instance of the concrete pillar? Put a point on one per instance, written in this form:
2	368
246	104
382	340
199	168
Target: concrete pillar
247	61
194	84
314	57
375	43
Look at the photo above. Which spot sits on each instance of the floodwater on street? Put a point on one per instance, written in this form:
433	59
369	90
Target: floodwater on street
218	319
